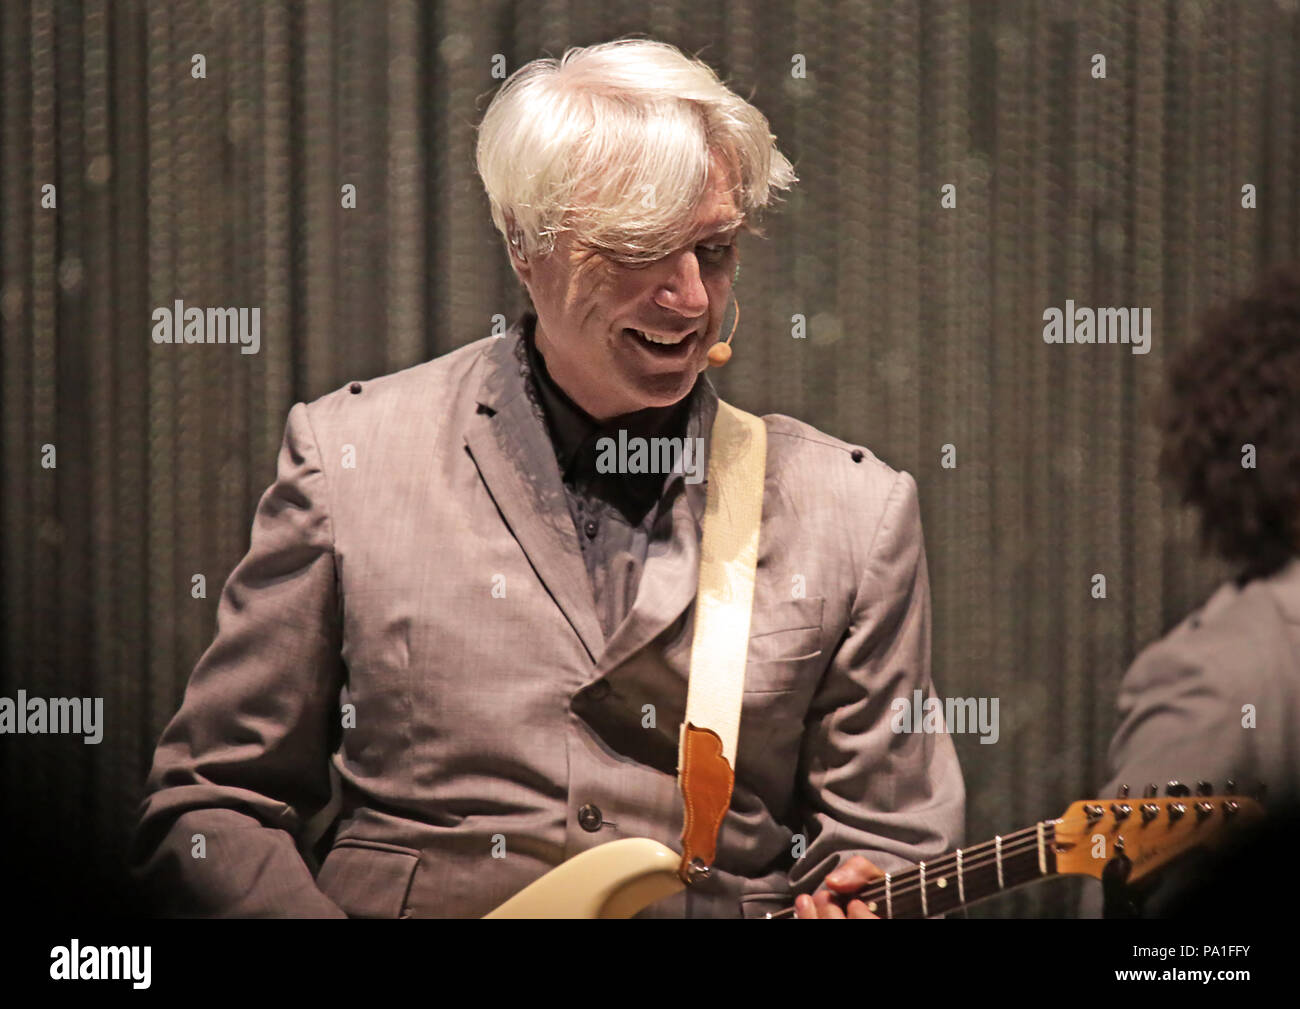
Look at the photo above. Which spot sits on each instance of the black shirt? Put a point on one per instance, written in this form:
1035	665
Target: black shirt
614	514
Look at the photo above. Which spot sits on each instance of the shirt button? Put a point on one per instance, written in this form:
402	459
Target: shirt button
590	818
590	529
599	690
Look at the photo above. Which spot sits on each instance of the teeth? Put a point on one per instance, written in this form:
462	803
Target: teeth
662	340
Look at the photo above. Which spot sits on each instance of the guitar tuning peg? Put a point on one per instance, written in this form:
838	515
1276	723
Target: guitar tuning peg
1123	791
1176	789
1204	788
1229	787
1150	792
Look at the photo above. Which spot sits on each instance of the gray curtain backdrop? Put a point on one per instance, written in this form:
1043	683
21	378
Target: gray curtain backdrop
924	323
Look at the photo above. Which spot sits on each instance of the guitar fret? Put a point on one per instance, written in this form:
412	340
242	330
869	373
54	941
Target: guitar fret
1026	858
921	892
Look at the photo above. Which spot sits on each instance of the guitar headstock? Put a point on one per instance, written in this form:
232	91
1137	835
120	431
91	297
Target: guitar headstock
1150	831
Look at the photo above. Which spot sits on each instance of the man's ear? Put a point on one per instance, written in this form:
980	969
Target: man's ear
518	260
523	268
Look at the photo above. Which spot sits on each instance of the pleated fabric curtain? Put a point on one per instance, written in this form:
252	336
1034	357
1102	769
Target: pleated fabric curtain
922	322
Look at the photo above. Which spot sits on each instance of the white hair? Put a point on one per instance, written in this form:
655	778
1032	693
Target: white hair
613	142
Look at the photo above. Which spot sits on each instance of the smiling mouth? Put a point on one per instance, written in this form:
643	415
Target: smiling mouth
662	345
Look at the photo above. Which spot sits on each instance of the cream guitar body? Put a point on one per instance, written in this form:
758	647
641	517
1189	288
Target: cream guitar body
614	880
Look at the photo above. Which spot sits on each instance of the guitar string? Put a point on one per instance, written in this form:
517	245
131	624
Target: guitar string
1021	845
1023	842
1022	835
961	905
876	888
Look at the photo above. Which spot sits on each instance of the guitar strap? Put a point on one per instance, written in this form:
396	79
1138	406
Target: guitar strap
706	756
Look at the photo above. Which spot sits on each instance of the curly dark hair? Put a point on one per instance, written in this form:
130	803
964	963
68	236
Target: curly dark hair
1239	384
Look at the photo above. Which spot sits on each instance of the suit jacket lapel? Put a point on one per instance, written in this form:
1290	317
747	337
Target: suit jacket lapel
514	455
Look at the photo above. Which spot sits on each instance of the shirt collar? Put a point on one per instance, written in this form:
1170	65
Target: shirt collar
574	432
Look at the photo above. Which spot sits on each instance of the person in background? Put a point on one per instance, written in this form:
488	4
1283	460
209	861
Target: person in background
1217	699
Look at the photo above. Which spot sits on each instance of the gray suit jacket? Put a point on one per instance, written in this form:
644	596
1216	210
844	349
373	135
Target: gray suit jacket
414	608
1183	707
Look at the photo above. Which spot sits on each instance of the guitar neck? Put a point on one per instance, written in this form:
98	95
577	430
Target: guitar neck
966	875
1149	831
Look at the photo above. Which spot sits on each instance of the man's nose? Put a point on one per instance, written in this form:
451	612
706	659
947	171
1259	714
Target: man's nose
683	292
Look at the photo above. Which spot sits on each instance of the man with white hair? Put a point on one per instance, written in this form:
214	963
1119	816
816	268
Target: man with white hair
488	627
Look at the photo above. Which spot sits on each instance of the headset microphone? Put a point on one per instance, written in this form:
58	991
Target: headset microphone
720	353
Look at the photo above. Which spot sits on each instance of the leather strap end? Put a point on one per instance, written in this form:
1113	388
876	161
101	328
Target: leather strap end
706	781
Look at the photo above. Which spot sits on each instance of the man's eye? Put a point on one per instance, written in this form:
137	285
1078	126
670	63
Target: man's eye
713	253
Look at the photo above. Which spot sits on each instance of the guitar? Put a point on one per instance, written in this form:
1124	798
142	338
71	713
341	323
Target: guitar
621	878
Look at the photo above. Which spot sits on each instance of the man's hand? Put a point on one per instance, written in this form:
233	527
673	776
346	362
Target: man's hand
853	875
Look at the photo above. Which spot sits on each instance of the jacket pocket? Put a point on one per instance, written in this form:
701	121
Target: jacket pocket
368	879
784	644
789	630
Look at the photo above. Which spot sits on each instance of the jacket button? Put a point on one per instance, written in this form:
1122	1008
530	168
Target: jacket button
590	527
590	818
599	690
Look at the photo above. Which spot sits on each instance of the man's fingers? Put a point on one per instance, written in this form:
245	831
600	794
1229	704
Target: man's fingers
854	874
825	907
821	906
850	877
